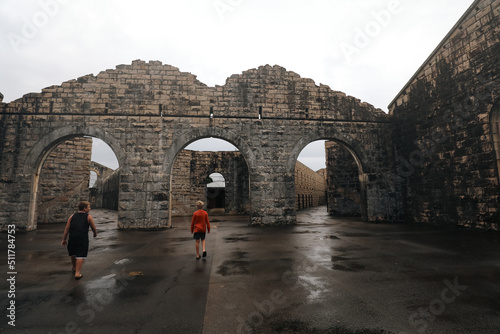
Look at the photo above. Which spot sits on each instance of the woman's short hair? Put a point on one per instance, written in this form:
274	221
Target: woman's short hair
83	205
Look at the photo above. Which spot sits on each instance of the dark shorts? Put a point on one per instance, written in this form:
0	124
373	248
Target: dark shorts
199	235
78	247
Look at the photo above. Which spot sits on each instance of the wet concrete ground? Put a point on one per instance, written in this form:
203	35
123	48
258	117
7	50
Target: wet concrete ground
323	275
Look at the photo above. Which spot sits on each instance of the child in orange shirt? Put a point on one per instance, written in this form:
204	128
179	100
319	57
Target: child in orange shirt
199	226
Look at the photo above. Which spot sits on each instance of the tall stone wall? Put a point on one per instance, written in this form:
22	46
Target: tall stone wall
148	112
310	187
442	133
111	191
104	193
64	180
344	187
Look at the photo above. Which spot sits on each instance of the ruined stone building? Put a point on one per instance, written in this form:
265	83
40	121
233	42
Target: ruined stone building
434	158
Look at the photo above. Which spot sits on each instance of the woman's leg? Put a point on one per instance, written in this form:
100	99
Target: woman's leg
78	267
197	248
73	263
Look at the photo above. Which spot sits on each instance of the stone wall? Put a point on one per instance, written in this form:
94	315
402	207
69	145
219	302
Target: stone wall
344	187
148	112
310	187
189	181
64	180
104	193
443	138
111	191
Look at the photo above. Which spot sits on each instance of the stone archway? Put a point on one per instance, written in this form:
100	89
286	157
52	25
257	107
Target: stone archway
347	143
184	140
35	159
187	138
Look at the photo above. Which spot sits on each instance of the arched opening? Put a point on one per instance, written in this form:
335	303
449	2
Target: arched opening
212	170
93	179
216	194
328	173
69	173
310	182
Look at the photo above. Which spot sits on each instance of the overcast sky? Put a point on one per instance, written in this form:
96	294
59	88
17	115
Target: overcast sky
367	49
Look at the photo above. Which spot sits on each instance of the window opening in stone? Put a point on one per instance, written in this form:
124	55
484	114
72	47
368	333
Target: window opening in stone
216	194
260	112
93	179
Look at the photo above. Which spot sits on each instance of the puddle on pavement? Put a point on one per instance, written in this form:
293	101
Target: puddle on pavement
122	261
305	232
103	248
331	237
236	239
351	267
234	267
314	286
356	235
181	239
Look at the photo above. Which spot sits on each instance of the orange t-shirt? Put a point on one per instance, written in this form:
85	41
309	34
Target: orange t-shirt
199	222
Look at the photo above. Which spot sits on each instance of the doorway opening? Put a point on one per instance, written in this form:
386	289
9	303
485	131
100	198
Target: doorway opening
216	194
328	173
310	172
68	174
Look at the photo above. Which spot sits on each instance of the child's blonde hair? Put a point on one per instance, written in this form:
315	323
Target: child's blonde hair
200	204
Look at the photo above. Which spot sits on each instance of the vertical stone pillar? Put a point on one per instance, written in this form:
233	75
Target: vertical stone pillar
273	198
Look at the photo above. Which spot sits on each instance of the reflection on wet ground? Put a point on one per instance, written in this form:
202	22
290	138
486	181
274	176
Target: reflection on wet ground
322	275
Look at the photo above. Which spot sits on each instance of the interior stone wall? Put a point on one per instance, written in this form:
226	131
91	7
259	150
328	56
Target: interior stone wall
443	138
344	188
64	180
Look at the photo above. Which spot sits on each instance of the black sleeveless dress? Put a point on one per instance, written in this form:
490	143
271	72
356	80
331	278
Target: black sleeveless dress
78	241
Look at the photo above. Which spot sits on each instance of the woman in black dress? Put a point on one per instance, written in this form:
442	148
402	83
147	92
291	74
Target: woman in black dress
78	243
